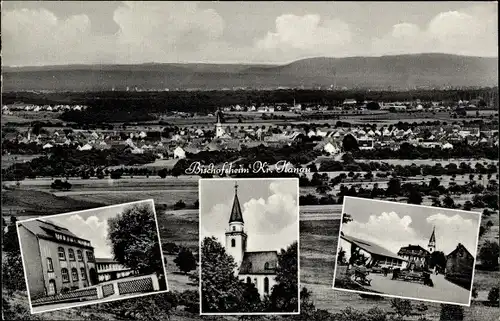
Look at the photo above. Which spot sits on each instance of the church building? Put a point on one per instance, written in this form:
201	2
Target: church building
220	131
259	267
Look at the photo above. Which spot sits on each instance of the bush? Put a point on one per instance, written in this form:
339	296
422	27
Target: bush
493	296
179	205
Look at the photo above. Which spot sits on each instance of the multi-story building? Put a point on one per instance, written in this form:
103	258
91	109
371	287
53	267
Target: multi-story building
109	269
55	259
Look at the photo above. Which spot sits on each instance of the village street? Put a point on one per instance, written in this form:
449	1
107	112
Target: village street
443	290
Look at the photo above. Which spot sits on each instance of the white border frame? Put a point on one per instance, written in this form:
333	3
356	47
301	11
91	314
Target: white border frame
150	201
298	247
403	297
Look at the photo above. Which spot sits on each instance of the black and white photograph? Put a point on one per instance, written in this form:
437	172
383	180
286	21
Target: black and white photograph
408	251
249	235
94	256
112	102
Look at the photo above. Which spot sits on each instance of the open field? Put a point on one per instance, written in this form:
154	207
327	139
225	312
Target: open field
8	160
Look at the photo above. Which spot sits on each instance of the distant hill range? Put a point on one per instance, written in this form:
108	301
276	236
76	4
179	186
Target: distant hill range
386	72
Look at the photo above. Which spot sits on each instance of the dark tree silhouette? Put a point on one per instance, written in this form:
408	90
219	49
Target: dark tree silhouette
185	260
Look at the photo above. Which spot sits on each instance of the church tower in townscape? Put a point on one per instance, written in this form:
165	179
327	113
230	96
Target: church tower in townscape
219	131
236	238
432	241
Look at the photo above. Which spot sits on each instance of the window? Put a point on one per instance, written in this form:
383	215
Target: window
83	274
266	285
233	243
52	288
71	254
249	280
234	228
50	266
90	256
62	253
74	274
65	275
266	266
79	255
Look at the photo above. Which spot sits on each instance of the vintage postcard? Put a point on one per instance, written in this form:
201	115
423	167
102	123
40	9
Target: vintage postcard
407	251
92	256
249	235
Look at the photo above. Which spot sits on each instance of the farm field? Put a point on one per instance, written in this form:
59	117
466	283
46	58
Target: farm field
8	160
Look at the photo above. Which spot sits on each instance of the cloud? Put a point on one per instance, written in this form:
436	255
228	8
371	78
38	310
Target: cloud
270	223
472	31
388	230
306	34
148	31
450	230
91	229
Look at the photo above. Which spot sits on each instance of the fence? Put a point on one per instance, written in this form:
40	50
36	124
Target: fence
85	294
134	286
107	290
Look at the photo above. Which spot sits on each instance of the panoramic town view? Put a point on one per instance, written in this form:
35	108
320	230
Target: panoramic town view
383	101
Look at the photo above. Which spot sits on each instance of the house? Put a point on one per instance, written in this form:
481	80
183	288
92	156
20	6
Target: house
109	269
415	254
47	146
459	266
331	149
179	153
258	268
365	143
370	253
55	259
447	146
85	147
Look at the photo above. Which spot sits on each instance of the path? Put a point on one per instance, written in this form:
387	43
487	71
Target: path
443	289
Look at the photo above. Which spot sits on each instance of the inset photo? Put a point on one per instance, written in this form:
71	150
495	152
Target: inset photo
249	235
92	256
407	251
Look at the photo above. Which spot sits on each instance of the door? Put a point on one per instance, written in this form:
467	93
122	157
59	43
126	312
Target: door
93	276
52	288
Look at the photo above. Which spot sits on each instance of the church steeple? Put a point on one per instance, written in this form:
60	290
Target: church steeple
236	238
432	241
236	215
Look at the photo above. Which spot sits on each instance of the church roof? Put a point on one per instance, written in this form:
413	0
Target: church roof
236	215
372	248
255	262
433	236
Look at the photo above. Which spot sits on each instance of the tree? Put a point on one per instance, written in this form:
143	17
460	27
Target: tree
185	260
372	105
221	291
284	295
448	202
434	183
346	218
323	189
11	239
162	173
179	205
493	296
134	239
393	187
488	254
349	143
451	312
170	248
415	197
437	259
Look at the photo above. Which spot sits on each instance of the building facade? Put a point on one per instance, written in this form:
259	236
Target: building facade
55	259
416	255
258	268
460	266
109	269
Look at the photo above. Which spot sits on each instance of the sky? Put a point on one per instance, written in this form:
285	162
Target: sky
92	225
78	32
394	225
269	207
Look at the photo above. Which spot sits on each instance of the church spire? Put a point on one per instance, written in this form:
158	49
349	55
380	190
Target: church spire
432	240
236	215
